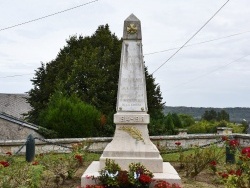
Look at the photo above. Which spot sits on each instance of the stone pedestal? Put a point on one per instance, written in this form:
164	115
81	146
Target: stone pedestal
224	130
131	143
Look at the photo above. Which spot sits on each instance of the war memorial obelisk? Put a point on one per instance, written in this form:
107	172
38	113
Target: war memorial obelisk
131	142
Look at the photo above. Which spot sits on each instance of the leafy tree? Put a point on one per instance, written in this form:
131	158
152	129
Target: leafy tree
70	117
87	67
186	120
157	126
222	115
210	115
154	98
202	127
169	124
176	120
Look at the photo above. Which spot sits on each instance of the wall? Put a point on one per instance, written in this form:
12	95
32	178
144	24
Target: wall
13	131
98	144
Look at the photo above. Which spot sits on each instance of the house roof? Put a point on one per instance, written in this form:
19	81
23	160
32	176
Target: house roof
18	121
14	104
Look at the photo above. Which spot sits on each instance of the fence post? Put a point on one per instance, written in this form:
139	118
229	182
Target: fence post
230	155
30	148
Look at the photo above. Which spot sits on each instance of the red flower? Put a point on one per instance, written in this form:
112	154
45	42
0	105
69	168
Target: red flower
245	151
92	186
145	179
238	172
224	138
174	185
9	153
123	177
233	143
177	143
5	163
224	175
231	172
165	184
79	158
248	155
35	163
213	163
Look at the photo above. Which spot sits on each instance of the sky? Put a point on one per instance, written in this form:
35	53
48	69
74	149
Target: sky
213	70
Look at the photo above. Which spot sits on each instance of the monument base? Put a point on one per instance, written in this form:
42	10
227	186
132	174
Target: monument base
169	174
125	149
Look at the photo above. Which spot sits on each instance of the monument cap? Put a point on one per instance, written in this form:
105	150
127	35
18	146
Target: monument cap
132	28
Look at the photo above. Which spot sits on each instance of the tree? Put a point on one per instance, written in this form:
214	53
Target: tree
87	67
70	117
210	115
169	124
176	120
222	115
186	120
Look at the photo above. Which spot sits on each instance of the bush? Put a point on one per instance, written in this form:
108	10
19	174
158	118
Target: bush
47	170
70	117
201	159
211	127
202	127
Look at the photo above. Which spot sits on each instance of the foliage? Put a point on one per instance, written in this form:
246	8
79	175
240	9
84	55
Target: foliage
199	160
47	170
222	116
202	127
211	127
212	115
47	133
137	175
237	128
237	175
156	126
70	117
89	68
169	124
181	154
177	120
186	120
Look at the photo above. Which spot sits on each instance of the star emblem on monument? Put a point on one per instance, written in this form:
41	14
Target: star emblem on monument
132	29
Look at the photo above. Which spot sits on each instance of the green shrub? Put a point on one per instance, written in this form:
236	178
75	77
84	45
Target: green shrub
202	127
47	170
70	117
200	159
237	128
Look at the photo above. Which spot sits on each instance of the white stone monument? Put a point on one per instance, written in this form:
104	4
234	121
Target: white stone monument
131	142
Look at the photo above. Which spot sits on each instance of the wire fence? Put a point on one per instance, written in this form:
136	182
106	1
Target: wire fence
162	152
43	140
191	148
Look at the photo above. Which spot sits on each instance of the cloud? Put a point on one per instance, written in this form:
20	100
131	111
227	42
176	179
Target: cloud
165	24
